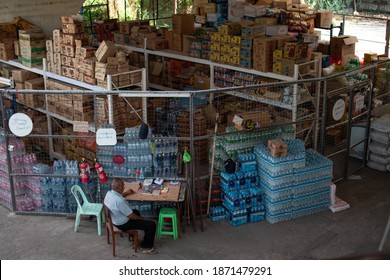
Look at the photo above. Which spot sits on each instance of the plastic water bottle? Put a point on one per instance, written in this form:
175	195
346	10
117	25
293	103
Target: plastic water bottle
141	175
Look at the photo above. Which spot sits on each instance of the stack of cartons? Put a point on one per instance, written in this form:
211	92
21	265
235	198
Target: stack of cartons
36	100
7	51
72	31
107	63
20	76
182	24
122	115
248	33
85	62
263	48
53	53
32	47
83	108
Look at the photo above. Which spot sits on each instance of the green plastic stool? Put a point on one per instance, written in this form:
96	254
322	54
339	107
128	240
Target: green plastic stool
165	214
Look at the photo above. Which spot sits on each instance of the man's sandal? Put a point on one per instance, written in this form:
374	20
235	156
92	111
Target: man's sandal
151	251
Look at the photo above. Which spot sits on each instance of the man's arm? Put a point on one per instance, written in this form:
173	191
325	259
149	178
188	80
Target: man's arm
133	216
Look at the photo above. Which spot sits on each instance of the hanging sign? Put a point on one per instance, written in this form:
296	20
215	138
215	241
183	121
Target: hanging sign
80	126
106	137
338	110
20	124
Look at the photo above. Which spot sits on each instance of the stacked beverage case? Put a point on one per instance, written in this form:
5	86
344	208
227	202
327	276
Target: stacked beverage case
289	187
295	185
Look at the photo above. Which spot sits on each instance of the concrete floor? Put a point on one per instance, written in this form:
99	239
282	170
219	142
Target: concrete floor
354	232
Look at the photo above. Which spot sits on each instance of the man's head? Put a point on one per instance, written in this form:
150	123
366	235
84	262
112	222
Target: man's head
117	185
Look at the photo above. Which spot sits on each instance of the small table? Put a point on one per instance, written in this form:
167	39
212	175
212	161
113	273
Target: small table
176	194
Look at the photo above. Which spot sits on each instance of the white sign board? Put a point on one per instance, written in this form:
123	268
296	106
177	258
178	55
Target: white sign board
80	126
106	137
338	110
20	124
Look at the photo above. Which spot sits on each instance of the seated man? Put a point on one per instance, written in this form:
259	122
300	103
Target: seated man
124	218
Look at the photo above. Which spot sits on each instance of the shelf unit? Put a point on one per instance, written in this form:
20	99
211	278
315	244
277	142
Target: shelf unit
48	75
293	106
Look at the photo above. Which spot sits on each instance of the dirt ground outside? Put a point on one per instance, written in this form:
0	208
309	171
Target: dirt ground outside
370	32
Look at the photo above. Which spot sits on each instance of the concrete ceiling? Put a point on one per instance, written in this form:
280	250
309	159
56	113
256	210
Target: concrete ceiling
43	13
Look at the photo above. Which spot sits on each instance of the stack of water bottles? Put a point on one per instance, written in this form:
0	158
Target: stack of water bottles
234	144
56	195
241	193
294	185
20	163
139	153
165	158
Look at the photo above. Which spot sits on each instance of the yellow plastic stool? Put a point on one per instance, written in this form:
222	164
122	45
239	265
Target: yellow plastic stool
167	213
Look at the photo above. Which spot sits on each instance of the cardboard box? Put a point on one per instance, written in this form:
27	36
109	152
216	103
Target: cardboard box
295	50
253	30
201	82
37	83
261	119
106	49
183	23
323	18
231	28
263	48
288	66
277	147
23	75
324	47
285	4
276	30
343	47
177	42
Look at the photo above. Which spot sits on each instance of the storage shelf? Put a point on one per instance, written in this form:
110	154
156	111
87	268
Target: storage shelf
41	72
180	56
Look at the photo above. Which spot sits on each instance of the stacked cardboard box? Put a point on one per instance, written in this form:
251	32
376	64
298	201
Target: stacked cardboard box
7	51
72	32
53	54
32	47
20	76
122	114
263	48
36	100
181	24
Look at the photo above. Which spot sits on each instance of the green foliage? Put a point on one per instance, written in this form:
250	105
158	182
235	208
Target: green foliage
331	5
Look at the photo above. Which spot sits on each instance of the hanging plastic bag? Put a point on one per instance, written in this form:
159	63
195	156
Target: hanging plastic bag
186	156
230	166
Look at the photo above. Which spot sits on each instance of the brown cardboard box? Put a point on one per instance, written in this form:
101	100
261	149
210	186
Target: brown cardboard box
275	30
231	28
343	46
261	118
263	48
277	147
295	50
37	83
324	47
23	75
201	82
283	4
288	66
323	18
106	49
125	26
183	23
177	42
